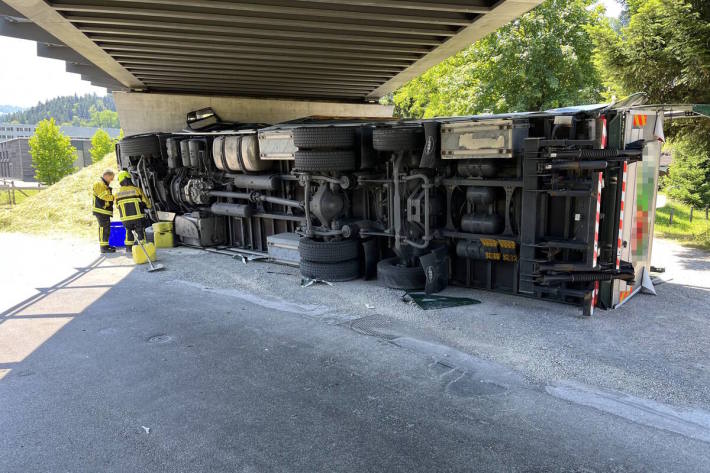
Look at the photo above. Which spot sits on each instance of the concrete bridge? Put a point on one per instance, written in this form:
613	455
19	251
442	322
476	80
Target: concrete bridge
263	61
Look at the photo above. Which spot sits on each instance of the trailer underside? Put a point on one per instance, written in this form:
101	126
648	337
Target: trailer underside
528	204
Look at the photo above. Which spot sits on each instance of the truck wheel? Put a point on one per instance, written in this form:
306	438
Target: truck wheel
324	137
141	146
341	271
328	251
325	161
398	139
392	273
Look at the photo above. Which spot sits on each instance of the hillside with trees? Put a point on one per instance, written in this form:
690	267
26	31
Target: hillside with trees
85	110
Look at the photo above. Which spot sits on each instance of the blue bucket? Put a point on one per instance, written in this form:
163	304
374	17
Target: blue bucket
117	236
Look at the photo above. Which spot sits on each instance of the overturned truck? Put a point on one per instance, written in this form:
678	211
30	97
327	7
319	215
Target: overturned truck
556	205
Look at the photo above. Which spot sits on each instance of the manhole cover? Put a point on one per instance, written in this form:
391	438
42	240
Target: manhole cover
162	338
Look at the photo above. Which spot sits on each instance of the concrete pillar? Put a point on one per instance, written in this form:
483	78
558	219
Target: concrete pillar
150	112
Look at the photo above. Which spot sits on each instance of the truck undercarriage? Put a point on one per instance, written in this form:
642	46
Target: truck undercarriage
529	204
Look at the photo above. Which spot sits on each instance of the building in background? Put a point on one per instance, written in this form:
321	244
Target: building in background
9	131
15	158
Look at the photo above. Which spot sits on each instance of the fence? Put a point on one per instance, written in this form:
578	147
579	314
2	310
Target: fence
670	215
12	194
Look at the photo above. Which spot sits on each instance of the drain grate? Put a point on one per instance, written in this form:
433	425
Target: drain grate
376	325
162	338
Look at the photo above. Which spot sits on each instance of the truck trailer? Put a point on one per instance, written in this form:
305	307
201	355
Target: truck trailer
556	205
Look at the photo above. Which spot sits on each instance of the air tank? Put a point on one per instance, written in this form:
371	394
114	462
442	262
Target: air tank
472	249
482	223
238	153
185	153
232	210
173	148
196	147
260	182
481	195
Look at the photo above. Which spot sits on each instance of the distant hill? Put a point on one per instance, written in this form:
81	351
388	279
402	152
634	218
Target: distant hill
85	110
9	109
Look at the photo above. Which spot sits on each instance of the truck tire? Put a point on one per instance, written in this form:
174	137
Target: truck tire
325	161
393	274
148	146
324	137
341	271
398	139
328	251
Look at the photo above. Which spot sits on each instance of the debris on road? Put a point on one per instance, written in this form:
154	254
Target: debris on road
305	282
433	302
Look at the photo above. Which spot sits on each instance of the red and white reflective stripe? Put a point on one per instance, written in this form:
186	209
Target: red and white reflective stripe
595	297
596	220
604	133
620	241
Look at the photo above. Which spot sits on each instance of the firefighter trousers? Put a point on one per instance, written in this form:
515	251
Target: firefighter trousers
139	227
104	229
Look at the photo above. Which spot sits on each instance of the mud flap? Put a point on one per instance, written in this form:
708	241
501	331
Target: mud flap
363	146
371	255
432	144
436	268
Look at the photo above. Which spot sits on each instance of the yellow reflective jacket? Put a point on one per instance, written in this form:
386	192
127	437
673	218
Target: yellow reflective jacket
131	201
103	199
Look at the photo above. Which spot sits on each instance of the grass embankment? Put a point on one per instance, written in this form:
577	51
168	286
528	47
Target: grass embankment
696	233
64	208
19	195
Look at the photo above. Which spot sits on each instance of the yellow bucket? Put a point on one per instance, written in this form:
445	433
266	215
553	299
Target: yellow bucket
163	234
163	227
139	255
163	240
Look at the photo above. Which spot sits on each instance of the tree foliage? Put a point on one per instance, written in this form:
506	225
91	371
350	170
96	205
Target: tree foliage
52	153
101	145
70	110
542	60
663	49
688	178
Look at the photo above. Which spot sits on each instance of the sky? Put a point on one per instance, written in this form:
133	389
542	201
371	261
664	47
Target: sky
29	79
26	79
613	8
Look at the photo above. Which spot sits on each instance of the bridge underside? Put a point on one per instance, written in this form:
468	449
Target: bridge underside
325	51
353	50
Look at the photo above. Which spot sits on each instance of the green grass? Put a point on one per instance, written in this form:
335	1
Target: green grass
696	233
61	209
19	196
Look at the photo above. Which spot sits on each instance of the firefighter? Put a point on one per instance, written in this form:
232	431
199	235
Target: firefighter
131	202
103	209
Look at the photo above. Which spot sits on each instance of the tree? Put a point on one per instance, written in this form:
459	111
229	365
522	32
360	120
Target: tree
103	118
101	145
542	60
663	50
688	178
52	153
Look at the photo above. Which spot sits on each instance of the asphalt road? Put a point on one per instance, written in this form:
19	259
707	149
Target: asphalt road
116	369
